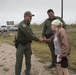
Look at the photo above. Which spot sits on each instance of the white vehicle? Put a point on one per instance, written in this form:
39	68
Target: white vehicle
0	29
15	28
4	28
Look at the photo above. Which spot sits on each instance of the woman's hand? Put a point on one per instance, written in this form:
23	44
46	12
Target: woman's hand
58	58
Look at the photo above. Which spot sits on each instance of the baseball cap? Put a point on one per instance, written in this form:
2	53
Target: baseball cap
57	22
28	13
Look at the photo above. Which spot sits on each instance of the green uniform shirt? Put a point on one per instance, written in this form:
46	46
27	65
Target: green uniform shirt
25	32
47	26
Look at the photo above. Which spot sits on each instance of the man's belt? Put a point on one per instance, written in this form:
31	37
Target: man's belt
48	35
24	42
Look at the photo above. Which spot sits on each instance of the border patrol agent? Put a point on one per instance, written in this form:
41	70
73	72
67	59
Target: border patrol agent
47	32
24	39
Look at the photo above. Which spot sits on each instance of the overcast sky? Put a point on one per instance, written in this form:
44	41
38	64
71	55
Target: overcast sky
13	10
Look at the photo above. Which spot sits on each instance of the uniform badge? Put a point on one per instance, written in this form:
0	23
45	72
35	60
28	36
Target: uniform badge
24	25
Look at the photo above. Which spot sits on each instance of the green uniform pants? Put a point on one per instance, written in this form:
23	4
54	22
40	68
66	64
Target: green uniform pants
23	50
52	50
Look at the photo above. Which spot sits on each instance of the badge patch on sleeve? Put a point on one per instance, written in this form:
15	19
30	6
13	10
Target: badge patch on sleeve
24	25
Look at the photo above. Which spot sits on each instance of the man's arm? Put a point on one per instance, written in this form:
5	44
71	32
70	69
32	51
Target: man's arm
27	33
44	30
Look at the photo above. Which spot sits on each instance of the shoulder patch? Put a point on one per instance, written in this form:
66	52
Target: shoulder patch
24	25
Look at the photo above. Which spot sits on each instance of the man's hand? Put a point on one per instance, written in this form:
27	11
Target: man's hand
41	40
44	39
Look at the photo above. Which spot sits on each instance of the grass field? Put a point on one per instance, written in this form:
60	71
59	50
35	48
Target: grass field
42	51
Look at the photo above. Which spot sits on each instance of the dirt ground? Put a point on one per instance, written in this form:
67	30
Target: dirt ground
7	62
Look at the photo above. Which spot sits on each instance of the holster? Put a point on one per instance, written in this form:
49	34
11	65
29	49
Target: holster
16	43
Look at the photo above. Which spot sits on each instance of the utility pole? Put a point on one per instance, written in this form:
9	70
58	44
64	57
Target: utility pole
62	9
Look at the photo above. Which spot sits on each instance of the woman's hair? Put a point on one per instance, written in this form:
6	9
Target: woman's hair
60	25
57	23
